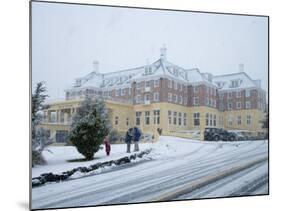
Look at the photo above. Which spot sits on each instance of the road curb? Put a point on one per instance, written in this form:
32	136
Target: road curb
191	186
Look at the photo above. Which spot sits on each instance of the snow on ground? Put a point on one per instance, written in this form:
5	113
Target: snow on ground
57	158
167	147
176	161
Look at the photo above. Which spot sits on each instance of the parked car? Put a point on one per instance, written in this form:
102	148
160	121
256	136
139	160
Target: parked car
239	136
217	134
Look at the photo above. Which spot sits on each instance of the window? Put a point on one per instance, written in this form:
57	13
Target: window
176	72
147	117
180	118
215	120
170	117
185	100
184	119
196	89
156	83
118	92
207	101
238	105
207	119
248	104
138	99
229	95
229	105
175	85
175	98
247	93
116	120
234	83
230	120
180	87
238	94
249	118
239	120
220	120
147	84
123	92
170	97
180	99
169	84
175	118
147	97
221	96
156	117
211	120
53	117
196	119
156	96
138	85
196	101
127	121
138	117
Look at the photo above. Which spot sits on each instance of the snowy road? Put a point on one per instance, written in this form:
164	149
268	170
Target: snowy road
184	164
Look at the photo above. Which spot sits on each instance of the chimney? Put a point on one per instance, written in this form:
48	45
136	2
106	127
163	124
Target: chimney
241	68
163	53
96	66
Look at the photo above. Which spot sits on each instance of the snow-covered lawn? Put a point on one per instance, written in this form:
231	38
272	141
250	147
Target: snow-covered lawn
166	148
58	157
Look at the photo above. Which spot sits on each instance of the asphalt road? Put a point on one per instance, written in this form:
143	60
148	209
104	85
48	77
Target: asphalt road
159	180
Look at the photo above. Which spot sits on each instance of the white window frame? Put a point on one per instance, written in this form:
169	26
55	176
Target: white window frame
170	84
156	96
247	93
175	96
196	101
249	119
180	99
147	117
170	97
156	83
248	104
239	120
238	103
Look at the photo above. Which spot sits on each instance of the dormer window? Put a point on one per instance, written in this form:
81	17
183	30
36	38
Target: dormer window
235	83
176	71
220	84
148	70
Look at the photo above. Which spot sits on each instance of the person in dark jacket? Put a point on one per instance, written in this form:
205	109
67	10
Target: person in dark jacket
128	139
136	138
107	145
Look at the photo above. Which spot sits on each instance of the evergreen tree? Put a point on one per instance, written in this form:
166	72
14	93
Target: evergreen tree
89	127
39	135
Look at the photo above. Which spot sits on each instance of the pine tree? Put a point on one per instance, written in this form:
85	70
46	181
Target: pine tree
39	135
89	127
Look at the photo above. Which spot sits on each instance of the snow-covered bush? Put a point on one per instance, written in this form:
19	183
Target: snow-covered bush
89	127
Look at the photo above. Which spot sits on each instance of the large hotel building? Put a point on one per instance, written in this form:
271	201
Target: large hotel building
182	102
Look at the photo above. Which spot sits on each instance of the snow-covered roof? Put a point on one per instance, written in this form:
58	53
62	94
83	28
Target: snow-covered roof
235	81
160	68
163	68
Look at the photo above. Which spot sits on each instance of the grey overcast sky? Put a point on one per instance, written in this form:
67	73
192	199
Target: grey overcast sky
66	39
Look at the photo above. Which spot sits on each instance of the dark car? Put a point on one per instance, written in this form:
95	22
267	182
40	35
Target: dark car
216	134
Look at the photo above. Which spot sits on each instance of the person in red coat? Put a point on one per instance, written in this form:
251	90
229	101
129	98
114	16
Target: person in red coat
107	145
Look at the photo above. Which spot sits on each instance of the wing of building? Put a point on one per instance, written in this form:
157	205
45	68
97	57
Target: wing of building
162	95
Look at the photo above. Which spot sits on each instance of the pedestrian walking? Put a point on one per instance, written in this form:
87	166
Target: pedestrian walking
107	145
136	138
128	139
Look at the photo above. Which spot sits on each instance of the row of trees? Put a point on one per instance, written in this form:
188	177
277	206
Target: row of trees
89	127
